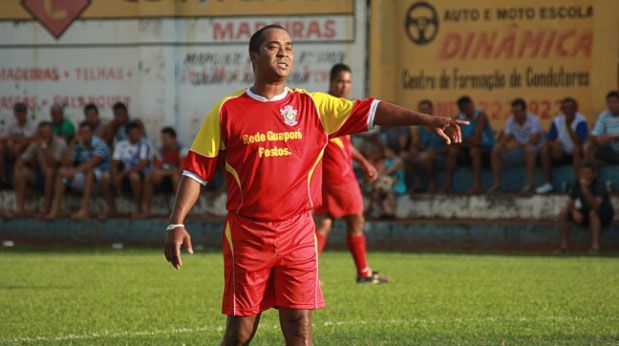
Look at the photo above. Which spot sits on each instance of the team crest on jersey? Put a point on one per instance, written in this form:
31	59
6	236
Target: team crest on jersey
289	114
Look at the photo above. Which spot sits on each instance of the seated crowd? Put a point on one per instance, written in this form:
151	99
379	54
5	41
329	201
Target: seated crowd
116	157
523	141
107	158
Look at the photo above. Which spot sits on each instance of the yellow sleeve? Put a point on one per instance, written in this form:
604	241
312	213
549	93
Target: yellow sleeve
342	117
207	142
333	111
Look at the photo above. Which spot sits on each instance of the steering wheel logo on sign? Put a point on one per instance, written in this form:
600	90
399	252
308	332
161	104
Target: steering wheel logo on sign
421	23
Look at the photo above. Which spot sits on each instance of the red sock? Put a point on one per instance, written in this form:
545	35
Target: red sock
322	241
356	245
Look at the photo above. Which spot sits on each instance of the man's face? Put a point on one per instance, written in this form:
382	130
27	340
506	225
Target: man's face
569	109
21	117
587	174
613	105
275	56
133	135
46	133
341	85
57	116
91	116
121	116
85	135
167	141
468	109
425	108
520	114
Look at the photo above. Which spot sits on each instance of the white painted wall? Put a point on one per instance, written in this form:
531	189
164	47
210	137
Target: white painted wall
144	62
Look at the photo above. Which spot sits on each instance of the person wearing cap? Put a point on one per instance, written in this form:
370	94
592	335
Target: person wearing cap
15	138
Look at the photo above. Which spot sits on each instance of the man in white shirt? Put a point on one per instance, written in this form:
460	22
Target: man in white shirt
131	161
564	142
15	138
521	141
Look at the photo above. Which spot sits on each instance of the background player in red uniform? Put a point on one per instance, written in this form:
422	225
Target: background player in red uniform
270	140
341	195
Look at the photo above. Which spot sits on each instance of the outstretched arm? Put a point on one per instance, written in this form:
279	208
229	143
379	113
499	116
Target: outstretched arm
186	197
389	114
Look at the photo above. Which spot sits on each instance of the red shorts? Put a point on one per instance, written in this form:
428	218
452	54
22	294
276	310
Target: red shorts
270	264
341	200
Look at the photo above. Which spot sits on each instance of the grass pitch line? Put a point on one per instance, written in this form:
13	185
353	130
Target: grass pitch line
174	331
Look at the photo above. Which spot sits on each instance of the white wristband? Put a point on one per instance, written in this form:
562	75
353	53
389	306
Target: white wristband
173	226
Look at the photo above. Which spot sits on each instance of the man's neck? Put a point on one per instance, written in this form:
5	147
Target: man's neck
268	90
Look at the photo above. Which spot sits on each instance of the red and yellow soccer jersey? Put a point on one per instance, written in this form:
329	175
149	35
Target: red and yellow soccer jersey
271	150
337	162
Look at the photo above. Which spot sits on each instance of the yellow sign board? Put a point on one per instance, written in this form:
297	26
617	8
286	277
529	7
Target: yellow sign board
494	51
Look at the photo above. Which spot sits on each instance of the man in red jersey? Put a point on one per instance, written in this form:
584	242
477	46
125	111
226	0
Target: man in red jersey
270	141
341	195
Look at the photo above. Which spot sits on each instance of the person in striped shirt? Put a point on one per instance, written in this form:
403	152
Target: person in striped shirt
604	145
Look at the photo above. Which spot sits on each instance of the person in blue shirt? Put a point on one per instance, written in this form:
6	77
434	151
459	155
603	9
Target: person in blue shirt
429	147
564	142
84	164
604	145
477	142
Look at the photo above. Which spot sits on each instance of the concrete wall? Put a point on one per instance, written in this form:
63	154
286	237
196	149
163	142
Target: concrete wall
418	235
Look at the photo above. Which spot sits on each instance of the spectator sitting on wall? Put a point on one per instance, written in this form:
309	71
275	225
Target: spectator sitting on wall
429	147
521	141
391	182
91	116
400	141
564	142
116	130
37	166
604	144
61	126
477	141
83	166
167	169
131	162
15	138
589	206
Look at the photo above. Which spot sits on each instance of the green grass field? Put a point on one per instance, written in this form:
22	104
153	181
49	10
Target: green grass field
133	297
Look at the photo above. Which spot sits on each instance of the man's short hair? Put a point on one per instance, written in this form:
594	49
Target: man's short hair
337	69
426	102
132	125
612	93
86	124
91	107
57	107
257	39
519	102
20	107
463	101
44	124
569	99
119	105
168	130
